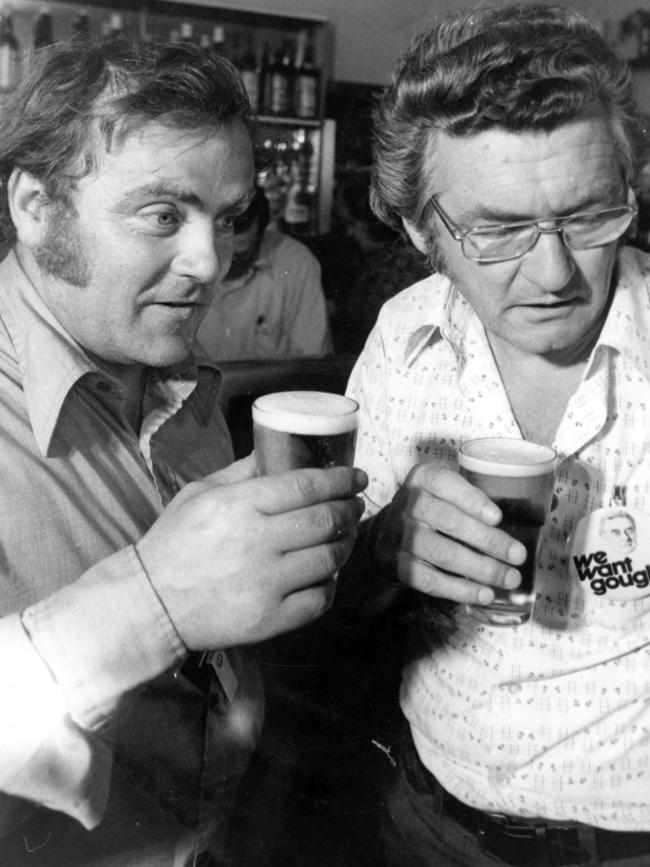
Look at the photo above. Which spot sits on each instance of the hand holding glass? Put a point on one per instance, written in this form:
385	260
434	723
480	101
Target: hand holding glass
518	476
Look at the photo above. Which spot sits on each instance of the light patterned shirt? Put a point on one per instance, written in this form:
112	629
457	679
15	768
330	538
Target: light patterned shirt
551	718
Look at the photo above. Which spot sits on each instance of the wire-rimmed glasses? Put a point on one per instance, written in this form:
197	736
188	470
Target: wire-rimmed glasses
504	241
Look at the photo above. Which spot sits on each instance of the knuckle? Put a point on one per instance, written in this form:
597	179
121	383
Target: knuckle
439	480
444	554
327	520
493	539
307	485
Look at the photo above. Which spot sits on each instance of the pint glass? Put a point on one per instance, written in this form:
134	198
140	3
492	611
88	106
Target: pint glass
518	476
296	429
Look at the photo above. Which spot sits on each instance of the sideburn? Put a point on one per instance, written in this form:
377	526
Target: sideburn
61	253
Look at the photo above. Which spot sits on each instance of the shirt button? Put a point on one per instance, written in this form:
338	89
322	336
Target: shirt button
104	386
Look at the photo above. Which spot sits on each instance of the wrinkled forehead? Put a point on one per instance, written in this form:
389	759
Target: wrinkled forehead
496	151
108	138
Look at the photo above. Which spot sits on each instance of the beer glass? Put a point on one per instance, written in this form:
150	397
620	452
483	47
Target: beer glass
295	429
518	476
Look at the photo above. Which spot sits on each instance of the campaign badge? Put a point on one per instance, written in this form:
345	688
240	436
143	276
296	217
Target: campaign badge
609	554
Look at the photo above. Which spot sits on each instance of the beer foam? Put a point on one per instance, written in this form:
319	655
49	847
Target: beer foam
506	457
306	412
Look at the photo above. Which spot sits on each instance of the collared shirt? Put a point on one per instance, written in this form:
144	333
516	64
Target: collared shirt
551	718
276	310
96	721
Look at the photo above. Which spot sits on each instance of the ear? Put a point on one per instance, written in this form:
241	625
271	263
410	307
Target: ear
417	238
28	206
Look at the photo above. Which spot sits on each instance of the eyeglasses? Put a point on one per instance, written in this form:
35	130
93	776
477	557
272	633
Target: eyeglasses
498	243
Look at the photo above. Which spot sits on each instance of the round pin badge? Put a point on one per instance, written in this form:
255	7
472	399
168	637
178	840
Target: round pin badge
609	554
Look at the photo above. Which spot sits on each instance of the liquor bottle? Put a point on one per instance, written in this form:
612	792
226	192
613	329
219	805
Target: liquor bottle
9	52
307	78
297	215
115	25
80	26
265	79
43	34
219	40
187	32
250	73
280	81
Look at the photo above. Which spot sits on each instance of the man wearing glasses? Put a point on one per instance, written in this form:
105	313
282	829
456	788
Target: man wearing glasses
507	146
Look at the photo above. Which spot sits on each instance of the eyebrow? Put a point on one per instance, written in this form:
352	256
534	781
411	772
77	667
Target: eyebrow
593	198
186	196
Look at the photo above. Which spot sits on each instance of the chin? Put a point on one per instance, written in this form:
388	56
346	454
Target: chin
166	356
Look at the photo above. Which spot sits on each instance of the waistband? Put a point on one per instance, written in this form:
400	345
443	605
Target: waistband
527	842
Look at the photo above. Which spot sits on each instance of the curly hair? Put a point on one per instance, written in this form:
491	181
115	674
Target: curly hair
516	68
72	91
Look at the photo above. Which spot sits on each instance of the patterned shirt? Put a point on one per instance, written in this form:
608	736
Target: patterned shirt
551	718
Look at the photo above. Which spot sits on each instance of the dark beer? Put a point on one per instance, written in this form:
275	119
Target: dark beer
296	429
518	476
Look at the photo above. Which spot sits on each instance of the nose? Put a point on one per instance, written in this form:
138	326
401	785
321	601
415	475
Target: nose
550	262
204	252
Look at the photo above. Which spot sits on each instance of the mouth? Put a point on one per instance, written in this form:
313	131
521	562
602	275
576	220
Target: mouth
549	308
180	311
557	303
191	299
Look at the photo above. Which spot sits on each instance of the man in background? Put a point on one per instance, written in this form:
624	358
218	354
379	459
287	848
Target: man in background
271	303
134	560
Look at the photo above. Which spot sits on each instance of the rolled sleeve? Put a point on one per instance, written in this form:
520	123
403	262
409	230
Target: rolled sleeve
102	636
44	756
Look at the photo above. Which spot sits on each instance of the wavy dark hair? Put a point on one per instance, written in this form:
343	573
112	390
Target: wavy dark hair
517	68
73	90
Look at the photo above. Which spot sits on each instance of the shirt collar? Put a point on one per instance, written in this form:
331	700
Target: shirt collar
627	326
625	329
447	314
51	363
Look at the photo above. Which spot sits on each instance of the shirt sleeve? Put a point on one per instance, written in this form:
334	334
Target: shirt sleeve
67	665
307	319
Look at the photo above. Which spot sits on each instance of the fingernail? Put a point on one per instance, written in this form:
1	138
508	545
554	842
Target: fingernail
512	579
485	596
360	478
491	513
517	553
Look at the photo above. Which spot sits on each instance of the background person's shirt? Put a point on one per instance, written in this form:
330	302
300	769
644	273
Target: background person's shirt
88	725
552	718
276	310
